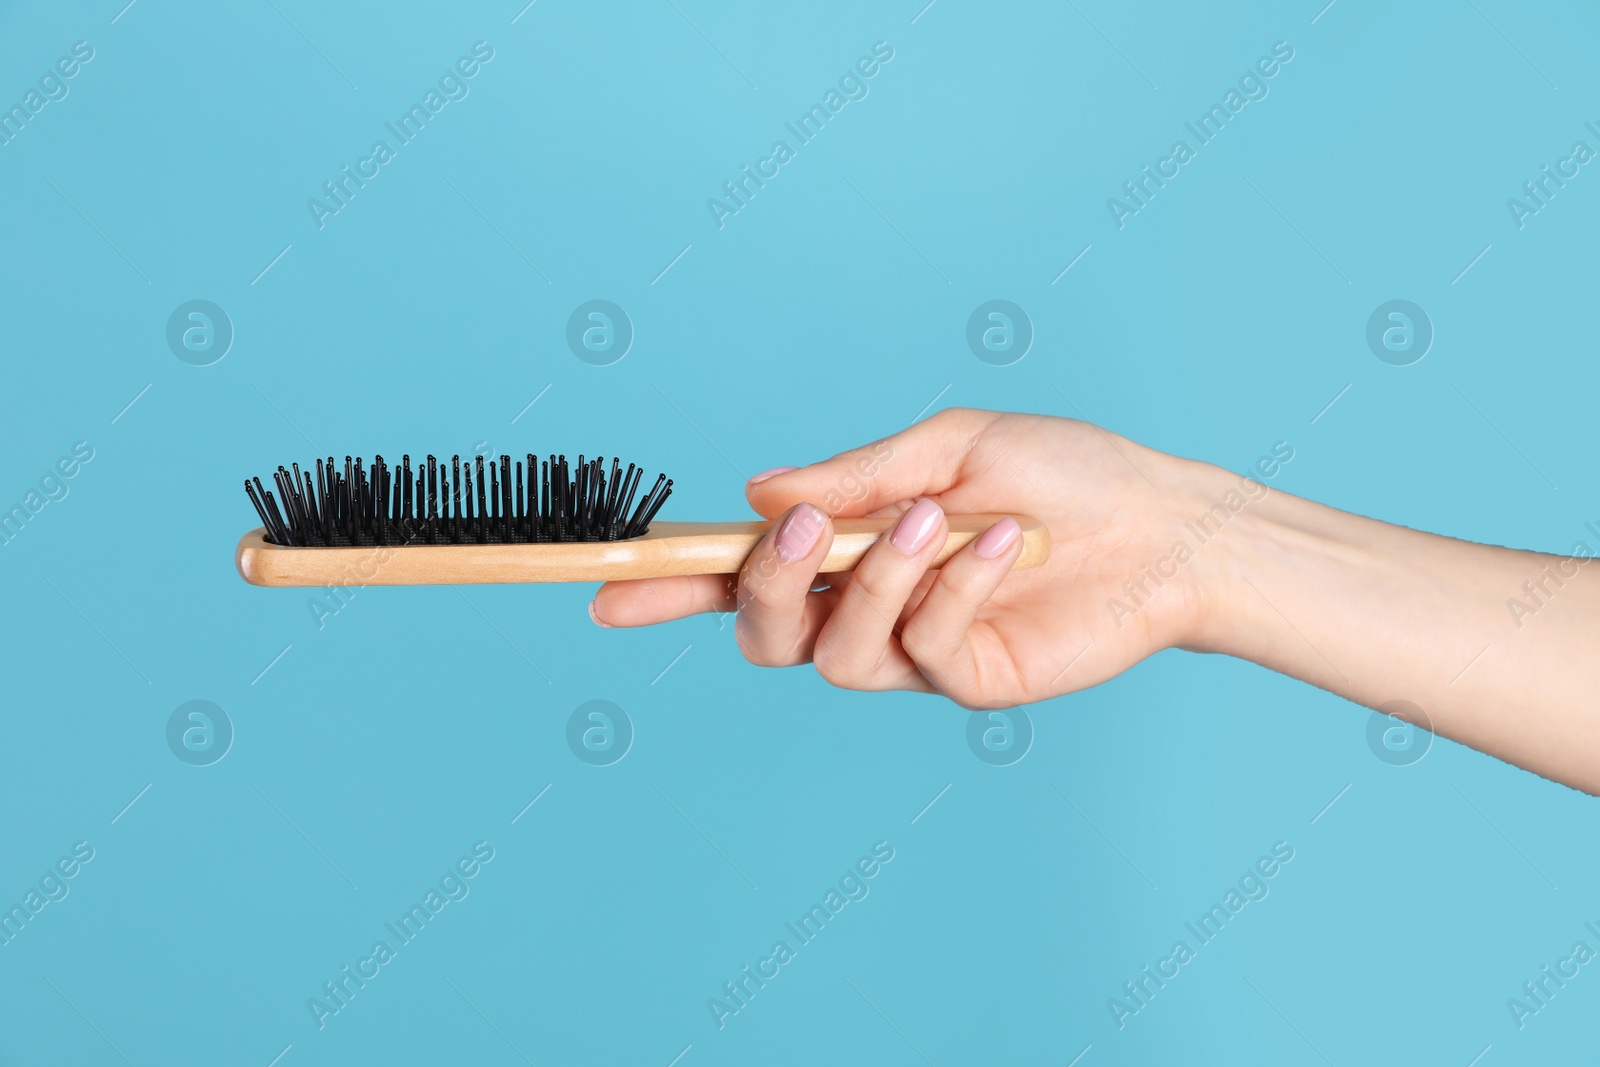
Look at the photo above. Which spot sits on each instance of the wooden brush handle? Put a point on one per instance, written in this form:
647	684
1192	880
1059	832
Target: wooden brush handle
670	548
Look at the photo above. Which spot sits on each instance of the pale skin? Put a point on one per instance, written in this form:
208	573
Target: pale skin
1373	612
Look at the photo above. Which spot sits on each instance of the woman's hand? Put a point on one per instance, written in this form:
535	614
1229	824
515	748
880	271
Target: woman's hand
1492	647
1110	594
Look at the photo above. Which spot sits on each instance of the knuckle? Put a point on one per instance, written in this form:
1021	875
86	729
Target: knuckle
922	641
964	700
966	583
834	665
756	582
959	418
955	684
750	644
672	599
874	585
974	695
768	584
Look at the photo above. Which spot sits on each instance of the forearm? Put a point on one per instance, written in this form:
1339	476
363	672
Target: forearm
1378	613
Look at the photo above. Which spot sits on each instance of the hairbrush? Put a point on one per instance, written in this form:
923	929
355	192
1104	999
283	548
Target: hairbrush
539	521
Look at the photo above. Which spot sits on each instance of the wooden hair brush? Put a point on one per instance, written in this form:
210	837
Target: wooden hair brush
513	523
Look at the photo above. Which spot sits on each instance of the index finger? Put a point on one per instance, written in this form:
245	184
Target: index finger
923	460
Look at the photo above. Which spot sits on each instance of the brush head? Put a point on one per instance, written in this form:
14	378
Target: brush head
545	501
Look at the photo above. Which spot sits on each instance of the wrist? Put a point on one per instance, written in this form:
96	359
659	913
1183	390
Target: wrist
1300	588
1238	531
1190	522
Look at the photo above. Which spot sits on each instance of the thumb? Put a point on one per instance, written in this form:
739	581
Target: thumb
922	460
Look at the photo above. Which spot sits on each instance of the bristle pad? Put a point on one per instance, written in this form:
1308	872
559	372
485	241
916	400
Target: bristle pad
537	502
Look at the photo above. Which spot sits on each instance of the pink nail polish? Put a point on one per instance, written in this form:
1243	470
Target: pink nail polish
596	618
799	532
773	473
916	526
996	539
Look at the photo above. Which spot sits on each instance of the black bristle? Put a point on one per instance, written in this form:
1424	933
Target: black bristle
483	498
407	505
267	510
305	502
519	515
455	506
325	496
380	501
433	500
506	518
500	502
544	490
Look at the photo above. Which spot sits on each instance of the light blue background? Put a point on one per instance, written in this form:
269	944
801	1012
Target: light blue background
427	315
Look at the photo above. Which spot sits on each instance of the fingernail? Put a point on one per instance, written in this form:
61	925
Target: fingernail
596	618
997	538
916	526
774	472
799	532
